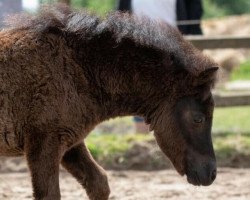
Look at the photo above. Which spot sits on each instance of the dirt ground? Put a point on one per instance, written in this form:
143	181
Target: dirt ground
231	184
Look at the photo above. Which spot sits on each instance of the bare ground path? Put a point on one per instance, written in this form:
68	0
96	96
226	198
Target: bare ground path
231	184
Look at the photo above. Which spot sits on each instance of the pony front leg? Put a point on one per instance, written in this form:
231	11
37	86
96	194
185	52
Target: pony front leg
43	156
79	162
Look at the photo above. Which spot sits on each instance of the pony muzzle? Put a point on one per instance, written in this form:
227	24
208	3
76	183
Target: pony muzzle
202	174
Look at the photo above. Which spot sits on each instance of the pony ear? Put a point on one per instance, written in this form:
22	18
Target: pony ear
208	72
208	75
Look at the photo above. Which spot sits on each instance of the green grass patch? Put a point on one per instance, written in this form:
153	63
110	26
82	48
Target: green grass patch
232	119
241	73
106	146
230	146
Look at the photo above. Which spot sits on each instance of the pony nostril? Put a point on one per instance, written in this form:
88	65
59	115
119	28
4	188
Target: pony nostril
213	175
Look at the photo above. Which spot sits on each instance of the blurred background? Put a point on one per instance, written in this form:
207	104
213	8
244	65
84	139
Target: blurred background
116	145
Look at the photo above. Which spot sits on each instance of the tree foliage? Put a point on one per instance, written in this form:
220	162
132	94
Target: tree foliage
99	6
218	8
234	6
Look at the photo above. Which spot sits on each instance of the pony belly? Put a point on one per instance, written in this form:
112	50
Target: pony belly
9	146
11	152
9	142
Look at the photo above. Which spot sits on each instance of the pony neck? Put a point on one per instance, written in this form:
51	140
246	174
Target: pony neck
113	71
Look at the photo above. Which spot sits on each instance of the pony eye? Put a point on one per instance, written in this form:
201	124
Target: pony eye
198	119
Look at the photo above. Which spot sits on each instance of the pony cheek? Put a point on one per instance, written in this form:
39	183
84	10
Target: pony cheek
174	147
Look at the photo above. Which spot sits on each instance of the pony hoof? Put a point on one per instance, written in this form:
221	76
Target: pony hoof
98	189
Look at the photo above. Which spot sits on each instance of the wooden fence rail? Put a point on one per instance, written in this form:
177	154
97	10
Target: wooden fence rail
223	42
220	42
222	100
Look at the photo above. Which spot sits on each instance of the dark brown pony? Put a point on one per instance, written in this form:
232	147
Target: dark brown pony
62	72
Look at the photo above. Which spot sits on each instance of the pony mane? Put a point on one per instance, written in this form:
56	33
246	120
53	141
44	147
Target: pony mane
141	30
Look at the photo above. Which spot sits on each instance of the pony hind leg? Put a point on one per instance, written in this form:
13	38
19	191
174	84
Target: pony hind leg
79	162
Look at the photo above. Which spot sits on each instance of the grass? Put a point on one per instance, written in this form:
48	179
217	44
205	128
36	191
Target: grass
242	73
103	146
233	119
228	143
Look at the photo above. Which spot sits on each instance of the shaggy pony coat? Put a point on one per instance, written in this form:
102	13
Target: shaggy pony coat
62	72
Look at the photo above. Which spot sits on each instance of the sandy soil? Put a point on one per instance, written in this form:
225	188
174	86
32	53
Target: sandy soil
231	184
